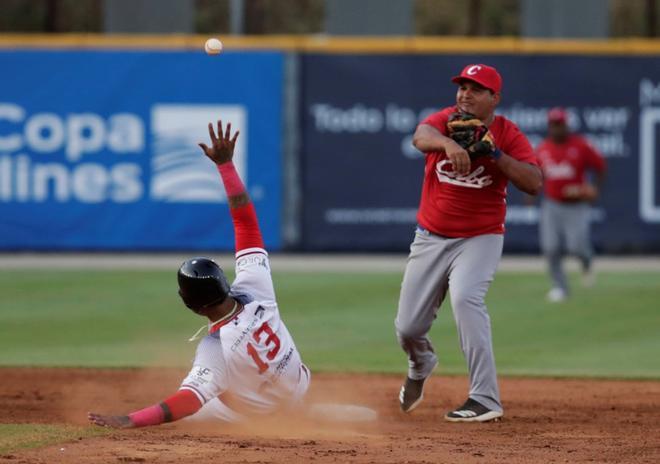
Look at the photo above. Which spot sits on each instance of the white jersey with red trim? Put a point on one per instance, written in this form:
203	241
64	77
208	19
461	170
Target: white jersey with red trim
250	360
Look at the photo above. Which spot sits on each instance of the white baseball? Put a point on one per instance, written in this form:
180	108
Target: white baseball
213	46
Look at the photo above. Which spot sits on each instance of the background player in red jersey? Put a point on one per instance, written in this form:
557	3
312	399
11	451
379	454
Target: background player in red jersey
458	243
248	363
566	158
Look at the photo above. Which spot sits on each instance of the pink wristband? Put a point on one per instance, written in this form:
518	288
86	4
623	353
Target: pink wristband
233	183
153	415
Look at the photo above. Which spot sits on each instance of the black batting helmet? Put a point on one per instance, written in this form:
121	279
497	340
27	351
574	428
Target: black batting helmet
202	283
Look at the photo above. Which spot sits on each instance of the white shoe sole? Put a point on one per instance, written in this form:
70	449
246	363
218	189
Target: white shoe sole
489	416
412	406
556	295
421	397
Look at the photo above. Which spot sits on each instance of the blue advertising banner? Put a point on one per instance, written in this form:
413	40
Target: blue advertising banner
362	177
98	149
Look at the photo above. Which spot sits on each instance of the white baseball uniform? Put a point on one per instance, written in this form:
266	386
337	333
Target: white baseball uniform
248	364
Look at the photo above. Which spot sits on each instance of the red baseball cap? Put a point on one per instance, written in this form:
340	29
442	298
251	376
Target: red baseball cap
557	115
485	76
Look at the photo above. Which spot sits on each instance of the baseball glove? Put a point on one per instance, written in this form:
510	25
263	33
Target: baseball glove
472	134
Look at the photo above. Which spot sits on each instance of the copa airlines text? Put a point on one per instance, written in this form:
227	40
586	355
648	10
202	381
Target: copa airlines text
46	156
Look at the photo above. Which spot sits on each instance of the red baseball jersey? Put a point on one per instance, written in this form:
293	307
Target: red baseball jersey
456	205
565	164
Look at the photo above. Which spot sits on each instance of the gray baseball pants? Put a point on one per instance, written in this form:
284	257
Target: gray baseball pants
569	223
465	267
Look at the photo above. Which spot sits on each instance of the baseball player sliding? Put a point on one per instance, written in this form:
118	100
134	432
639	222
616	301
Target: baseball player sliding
247	364
471	155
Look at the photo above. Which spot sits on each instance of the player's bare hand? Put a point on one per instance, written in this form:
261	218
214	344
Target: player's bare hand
222	146
115	422
571	192
589	192
581	192
458	156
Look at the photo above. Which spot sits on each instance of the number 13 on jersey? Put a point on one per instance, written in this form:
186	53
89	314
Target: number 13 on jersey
271	340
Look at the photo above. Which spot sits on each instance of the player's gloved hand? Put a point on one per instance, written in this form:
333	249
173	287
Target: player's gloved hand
462	128
115	422
222	147
472	134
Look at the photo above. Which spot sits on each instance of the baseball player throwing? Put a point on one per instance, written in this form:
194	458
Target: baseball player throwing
247	364
471	155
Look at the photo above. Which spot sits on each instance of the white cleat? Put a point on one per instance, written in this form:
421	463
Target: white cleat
473	411
556	295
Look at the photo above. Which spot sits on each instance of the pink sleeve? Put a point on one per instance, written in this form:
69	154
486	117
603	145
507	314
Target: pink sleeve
246	228
246	225
230	179
152	415
183	403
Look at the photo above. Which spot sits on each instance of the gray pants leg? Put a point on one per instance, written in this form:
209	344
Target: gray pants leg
550	233
465	267
569	222
424	286
576	229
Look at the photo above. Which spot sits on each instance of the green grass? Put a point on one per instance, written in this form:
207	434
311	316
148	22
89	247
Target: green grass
24	436
341	322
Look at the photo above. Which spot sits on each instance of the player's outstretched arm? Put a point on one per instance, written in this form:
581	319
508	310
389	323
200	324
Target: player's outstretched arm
244	216
183	403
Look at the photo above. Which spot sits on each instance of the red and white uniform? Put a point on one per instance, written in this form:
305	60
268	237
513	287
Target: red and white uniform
455	205
249	361
565	165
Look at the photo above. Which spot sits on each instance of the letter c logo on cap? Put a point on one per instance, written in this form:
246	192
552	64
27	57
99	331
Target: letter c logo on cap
472	70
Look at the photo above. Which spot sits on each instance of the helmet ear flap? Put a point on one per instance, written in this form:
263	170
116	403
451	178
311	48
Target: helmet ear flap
201	284
186	302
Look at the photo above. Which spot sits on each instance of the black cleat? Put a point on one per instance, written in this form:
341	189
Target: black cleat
473	411
411	394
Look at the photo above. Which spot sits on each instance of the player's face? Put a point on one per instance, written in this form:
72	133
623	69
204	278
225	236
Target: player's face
558	131
475	99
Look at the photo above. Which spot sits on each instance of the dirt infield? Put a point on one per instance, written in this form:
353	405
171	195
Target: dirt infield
546	420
